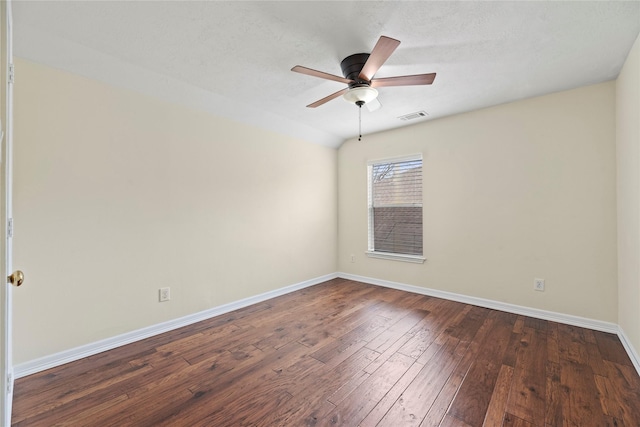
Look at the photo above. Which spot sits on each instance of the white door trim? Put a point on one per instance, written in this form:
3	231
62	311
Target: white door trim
6	390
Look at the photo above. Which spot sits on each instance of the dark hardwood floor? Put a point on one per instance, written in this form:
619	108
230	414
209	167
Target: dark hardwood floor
346	353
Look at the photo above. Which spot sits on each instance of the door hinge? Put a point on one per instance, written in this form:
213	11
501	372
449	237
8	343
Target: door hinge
10	227
9	383
12	74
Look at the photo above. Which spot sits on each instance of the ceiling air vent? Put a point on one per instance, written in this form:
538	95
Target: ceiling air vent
413	116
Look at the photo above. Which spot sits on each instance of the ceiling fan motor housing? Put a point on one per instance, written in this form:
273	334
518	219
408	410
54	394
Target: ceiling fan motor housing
351	67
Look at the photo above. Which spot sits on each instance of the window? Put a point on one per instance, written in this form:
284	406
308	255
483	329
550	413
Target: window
395	209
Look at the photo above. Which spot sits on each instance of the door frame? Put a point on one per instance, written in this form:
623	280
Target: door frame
6	232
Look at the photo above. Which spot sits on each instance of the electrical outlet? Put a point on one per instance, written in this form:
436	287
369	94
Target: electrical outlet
165	294
538	285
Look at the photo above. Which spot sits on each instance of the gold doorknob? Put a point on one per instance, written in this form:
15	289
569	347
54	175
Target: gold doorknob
16	278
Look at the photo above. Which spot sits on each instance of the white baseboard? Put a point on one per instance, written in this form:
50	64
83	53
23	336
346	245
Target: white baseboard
633	354
57	359
77	353
495	305
567	319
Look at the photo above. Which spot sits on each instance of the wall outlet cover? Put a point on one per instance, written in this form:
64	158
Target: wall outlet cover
165	294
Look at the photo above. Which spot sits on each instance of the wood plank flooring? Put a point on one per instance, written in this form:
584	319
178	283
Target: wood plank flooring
350	354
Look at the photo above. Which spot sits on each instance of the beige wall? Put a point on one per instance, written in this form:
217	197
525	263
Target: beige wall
511	193
628	158
118	194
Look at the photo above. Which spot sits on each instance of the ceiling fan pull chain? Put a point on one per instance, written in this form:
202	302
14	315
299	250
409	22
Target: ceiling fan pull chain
360	123
360	104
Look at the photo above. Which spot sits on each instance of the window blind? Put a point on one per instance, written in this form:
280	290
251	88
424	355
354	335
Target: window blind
395	206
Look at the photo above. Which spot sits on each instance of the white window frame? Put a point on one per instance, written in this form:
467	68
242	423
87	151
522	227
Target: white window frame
371	253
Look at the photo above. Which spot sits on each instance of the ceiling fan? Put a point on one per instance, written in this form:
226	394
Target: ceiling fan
359	70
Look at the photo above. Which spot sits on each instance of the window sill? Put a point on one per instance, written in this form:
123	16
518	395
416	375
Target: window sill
416	259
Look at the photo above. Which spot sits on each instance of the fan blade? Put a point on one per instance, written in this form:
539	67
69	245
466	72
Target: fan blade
328	98
321	74
373	105
379	55
417	79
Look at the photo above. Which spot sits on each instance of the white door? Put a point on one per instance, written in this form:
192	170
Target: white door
6	269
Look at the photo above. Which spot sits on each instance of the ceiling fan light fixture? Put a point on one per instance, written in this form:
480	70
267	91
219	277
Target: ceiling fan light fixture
362	93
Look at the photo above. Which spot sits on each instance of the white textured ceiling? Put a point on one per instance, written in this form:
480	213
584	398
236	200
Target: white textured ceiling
234	57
